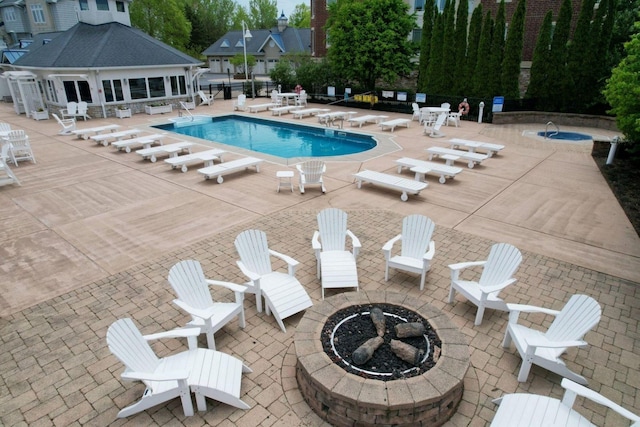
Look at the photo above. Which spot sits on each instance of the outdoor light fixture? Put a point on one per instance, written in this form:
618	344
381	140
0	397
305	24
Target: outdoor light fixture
246	35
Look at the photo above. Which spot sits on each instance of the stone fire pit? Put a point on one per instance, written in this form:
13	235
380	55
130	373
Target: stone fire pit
345	399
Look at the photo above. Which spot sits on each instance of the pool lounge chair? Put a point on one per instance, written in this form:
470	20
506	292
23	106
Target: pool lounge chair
218	171
86	133
262	107
406	186
423	167
299	114
105	138
172	150
392	124
452	155
207	157
144	141
369	118
472	146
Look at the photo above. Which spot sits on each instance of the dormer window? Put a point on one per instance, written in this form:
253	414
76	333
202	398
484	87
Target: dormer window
84	5
225	43
240	43
102	4
120	6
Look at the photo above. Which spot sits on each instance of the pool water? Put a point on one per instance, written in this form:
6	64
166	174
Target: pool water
275	138
568	136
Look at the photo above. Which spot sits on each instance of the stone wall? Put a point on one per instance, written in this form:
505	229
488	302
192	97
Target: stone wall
560	119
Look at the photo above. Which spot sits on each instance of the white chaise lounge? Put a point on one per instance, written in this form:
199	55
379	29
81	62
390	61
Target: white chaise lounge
392	124
406	186
207	157
261	107
328	118
172	150
218	171
422	167
105	138
86	133
472	146
299	114
369	118
144	141
284	109
452	155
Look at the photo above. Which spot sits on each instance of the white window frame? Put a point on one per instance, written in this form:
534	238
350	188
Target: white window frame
37	13
9	14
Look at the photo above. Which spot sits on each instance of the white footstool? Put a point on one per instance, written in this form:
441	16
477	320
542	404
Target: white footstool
282	176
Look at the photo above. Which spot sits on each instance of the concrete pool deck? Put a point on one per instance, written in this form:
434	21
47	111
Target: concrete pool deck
90	236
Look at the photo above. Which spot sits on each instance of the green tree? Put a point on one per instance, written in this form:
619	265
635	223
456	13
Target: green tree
460	66
449	47
626	12
301	16
314	75
541	63
483	72
494	84
369	40
210	20
283	74
475	30
601	60
557	73
578	53
162	19
434	81
513	53
237	61
428	19
623	90
263	14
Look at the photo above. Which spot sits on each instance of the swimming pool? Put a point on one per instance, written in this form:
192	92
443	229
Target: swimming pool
279	139
567	136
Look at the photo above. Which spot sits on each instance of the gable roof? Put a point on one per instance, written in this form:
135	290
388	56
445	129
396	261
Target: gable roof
291	40
103	46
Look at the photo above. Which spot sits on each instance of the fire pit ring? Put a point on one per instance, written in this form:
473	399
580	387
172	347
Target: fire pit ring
345	399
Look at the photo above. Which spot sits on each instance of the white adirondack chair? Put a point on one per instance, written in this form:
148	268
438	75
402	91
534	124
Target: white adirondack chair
207	373
311	174
336	266
417	247
67	125
240	103
416	111
204	98
6	174
71	111
83	110
579	316
497	272
188	281
533	410
20	147
283	294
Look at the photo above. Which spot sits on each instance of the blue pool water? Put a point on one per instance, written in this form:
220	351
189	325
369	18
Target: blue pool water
567	136
275	138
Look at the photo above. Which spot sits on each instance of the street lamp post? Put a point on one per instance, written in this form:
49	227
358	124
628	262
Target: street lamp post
246	36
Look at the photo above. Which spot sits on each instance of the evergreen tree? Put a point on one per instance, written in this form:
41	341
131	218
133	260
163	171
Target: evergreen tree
434	76
513	53
449	47
539	82
462	21
579	75
428	19
483	72
602	46
558	58
475	29
497	52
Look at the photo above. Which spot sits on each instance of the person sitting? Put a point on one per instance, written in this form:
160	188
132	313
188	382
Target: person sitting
298	89
463	107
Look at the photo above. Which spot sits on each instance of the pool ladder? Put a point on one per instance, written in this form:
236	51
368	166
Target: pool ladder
546	130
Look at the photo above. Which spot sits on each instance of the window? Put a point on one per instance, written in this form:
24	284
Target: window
156	87
143	88
102	4
77	90
38	14
50	93
178	86
418	4
112	90
9	14
416	36
120	6
84	5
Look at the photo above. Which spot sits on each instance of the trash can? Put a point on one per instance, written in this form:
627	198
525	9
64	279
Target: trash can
227	92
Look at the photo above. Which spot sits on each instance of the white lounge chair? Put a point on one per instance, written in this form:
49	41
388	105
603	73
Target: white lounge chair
192	287
283	294
311	174
423	167
171	150
87	132
532	410
416	111
106	138
333	116
205	372
67	125
204	98
368	118
416	247
451	156
299	114
434	130
472	146
392	124
207	157
335	265
577	317
240	103
256	108
497	274
6	174
284	109
20	148
406	186
217	171
144	141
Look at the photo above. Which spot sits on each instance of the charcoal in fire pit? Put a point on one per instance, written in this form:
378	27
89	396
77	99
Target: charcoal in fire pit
365	351
377	317
406	330
406	352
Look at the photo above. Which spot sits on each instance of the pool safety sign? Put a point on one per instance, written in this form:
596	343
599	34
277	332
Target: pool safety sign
498	103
